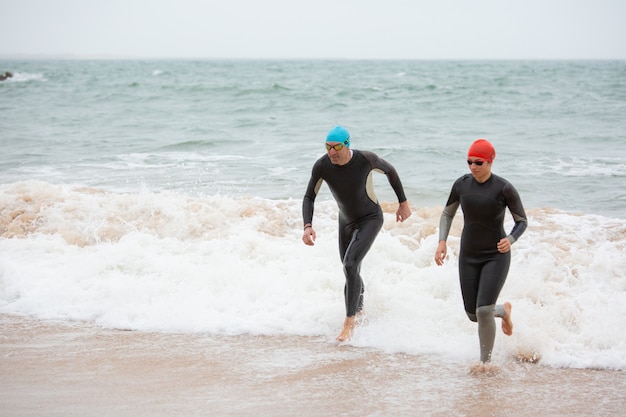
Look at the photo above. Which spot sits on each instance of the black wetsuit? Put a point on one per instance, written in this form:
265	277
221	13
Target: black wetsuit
360	215
482	269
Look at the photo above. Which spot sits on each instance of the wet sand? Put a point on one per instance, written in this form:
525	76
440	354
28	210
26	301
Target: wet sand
75	369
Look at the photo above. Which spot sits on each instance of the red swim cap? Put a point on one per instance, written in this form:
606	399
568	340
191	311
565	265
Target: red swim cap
481	148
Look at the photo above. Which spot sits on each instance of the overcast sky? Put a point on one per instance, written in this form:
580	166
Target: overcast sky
353	29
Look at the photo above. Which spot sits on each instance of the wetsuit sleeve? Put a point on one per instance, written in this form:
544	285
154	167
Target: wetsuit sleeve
452	205
514	203
380	165
308	202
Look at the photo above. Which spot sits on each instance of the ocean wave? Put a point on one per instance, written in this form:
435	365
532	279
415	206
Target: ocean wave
216	264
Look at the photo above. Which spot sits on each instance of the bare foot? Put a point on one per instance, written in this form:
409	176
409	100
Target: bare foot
346	332
507	324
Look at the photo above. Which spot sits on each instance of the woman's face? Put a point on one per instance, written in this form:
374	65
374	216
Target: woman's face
480	169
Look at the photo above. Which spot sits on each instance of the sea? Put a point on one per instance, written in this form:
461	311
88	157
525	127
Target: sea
145	202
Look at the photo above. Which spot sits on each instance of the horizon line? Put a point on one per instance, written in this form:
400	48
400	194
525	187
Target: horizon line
117	57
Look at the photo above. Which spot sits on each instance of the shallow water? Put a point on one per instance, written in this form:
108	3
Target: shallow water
75	369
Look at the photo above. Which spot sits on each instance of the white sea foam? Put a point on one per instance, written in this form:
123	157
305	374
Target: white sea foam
174	214
171	263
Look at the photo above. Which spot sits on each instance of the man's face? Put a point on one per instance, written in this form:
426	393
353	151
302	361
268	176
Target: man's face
338	153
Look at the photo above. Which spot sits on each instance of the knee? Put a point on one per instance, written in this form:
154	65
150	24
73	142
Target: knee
350	268
485	313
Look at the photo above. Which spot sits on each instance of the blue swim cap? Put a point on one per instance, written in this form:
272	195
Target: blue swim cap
339	134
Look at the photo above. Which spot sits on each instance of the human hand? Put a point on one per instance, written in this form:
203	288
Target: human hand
404	212
308	237
441	252
504	245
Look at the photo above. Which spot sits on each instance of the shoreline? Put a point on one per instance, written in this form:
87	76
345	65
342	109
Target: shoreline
66	369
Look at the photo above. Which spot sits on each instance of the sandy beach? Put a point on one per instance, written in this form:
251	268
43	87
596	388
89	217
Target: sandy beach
75	369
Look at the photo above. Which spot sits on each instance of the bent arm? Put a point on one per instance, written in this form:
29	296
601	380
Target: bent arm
514	202
308	202
379	164
394	180
445	223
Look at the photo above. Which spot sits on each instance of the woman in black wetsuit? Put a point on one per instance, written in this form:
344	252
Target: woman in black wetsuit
485	255
348	174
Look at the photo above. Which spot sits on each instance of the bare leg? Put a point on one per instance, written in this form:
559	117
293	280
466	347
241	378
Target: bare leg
507	324
348	328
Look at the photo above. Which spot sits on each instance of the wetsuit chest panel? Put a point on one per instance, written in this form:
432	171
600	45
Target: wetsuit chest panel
483	208
351	186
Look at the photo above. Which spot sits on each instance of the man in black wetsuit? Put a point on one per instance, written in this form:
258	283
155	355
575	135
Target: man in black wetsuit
484	256
348	173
